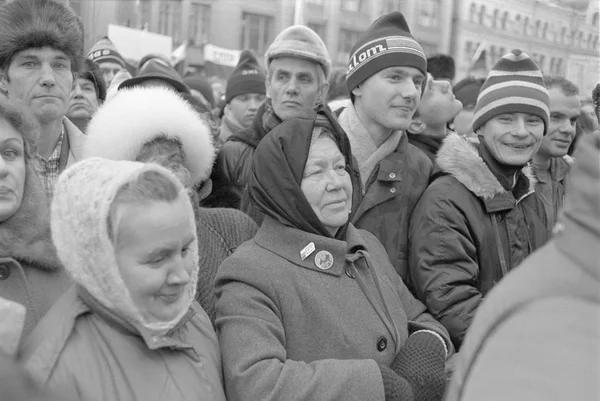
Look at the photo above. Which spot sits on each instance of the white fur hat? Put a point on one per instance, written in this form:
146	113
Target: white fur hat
135	116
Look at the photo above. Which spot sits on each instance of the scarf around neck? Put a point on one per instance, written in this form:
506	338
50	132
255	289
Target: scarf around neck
367	154
278	167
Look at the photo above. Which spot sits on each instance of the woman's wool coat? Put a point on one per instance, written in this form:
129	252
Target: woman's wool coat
291	327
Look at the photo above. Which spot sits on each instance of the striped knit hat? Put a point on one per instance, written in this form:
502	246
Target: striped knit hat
386	43
514	85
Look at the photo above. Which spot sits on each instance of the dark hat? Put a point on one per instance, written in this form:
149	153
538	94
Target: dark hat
105	50
92	73
157	69
441	66
26	24
386	43
514	85
247	77
201	84
467	89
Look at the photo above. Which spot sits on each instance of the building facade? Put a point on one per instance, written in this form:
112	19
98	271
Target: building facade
253	24
561	38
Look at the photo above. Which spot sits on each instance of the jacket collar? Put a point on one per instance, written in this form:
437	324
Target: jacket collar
255	133
424	142
460	159
76	140
26	236
172	339
295	246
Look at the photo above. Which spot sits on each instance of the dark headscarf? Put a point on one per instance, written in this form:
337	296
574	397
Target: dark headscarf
278	166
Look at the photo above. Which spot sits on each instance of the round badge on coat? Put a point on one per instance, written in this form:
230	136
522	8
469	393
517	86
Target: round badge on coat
324	260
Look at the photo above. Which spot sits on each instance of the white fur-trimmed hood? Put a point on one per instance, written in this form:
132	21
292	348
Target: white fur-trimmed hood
460	159
135	116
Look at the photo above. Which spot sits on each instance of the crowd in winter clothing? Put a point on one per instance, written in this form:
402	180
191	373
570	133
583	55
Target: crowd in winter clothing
366	233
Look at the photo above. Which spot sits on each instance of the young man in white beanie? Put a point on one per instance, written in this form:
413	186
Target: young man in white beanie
298	66
480	216
386	76
41	50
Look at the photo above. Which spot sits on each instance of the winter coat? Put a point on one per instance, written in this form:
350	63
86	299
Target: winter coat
536	336
30	272
235	155
462	221
86	352
76	140
302	325
390	196
427	144
220	232
95	343
550	187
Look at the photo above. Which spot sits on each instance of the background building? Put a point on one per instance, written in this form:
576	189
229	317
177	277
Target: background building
561	35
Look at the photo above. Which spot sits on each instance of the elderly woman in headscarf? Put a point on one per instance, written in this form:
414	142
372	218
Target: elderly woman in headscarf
311	308
30	272
156	125
130	329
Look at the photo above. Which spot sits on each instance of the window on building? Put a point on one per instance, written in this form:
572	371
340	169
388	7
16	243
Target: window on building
595	46
472	13
470	49
504	20
517	27
348	39
257	32
544	30
481	16
589	41
496	18
542	62
559	66
526	26
563	34
595	19
428	13
392	5
354	5
169	22
199	24
318	28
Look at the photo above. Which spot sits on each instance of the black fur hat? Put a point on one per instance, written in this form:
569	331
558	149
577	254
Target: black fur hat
26	24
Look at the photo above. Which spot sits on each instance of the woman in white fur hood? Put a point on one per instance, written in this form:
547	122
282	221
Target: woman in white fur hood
130	328
157	125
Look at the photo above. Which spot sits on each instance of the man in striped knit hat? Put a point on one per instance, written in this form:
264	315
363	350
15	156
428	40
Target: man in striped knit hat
480	217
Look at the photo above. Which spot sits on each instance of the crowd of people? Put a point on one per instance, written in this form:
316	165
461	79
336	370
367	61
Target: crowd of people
316	233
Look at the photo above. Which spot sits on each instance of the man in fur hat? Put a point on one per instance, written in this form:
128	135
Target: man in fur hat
41	46
298	66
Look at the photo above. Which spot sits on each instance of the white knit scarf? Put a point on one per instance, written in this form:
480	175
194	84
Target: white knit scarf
367	154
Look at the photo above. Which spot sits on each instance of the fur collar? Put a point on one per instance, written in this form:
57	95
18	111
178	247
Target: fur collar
461	160
25	236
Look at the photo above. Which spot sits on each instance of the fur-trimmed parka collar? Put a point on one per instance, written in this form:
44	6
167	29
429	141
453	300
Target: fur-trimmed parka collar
26	236
461	160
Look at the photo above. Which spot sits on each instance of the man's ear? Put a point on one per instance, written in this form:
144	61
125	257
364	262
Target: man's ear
268	87
323	90
416	126
357	91
3	81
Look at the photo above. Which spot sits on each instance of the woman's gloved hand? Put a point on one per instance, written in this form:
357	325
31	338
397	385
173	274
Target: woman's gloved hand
422	363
